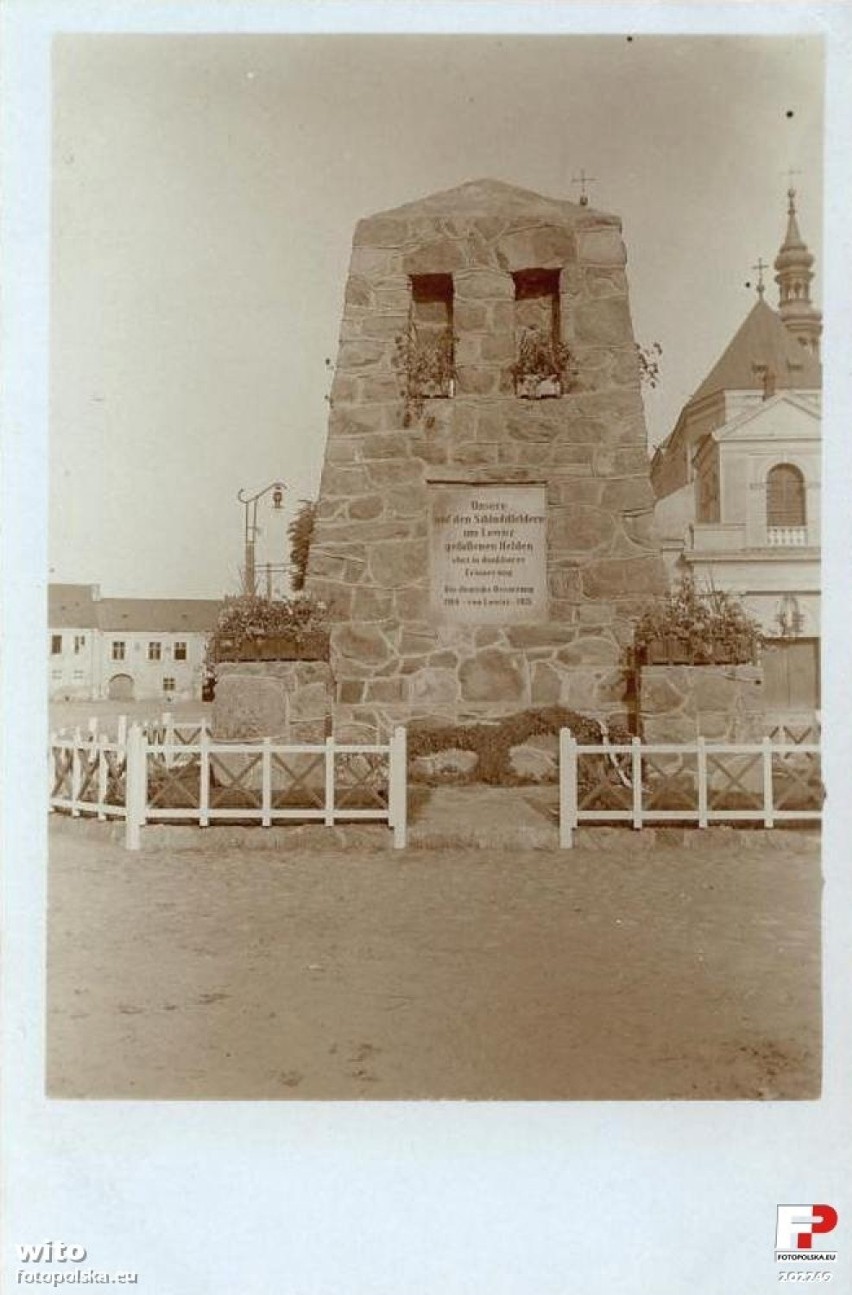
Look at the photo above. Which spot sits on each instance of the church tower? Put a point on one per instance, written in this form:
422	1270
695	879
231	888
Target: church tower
793	275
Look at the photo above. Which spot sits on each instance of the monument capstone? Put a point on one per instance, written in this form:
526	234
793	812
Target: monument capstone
484	531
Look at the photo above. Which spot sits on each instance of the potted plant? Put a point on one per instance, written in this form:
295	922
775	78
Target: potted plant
693	627
544	366
424	362
265	629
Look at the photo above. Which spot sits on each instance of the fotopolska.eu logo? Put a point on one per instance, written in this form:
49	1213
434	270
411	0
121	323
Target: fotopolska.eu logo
799	1231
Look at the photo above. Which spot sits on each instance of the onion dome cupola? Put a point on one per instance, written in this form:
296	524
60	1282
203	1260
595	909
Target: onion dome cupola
794	275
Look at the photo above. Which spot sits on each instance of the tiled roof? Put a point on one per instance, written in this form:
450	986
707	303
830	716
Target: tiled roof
158	615
762	342
71	607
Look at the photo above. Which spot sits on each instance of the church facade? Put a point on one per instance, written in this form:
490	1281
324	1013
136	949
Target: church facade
737	482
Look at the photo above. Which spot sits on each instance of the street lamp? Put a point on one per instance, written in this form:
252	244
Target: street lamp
250	502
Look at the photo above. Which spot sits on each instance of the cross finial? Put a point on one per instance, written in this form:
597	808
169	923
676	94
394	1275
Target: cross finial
791	190
582	179
760	267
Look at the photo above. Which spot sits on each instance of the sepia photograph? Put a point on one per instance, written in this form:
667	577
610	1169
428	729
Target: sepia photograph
424	646
434	601
434	593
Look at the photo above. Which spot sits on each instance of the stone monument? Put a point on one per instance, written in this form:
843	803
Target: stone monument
484	533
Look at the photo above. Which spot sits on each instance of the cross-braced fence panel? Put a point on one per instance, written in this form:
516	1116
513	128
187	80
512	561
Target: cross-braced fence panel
691	782
298	780
362	781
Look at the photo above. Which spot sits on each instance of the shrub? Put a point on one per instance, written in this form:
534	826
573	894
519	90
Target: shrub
702	626
246	622
493	742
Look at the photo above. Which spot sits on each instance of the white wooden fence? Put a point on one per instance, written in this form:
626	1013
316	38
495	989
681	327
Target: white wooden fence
700	782
168	773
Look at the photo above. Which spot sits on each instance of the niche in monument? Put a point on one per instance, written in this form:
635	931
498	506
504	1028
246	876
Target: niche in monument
487	553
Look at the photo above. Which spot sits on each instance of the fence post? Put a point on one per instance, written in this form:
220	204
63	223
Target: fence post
204	779
567	788
266	775
768	798
135	786
398	787
103	771
51	771
76	776
636	773
168	738
329	782
701	774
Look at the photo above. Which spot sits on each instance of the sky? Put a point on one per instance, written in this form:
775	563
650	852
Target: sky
205	193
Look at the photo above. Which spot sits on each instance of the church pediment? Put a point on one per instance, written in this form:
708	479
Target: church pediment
785	417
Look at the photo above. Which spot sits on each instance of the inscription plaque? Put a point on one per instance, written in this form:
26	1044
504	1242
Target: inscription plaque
488	553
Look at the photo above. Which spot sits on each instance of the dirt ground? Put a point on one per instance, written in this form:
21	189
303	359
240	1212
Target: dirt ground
687	971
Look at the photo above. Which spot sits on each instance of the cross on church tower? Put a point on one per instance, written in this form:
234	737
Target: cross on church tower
760	267
582	179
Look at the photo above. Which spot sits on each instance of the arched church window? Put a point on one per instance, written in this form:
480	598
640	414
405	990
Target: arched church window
786	518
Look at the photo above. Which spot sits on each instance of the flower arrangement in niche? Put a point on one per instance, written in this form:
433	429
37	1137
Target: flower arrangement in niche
265	629
424	362
544	366
696	627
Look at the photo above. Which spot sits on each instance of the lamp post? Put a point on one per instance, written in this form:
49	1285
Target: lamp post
250	502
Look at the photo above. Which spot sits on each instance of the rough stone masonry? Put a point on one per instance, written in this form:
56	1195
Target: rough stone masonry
485	538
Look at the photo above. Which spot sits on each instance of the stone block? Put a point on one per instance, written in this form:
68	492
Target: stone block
623	577
469	316
480	283
493	675
369	262
546	685
625	494
382	231
604	322
659	694
384	690
364	645
599	282
533	764
441	256
590	650
248	707
580	527
366	508
358	291
452	763
477	380
378	389
534	636
401	563
385	445
432	687
601	247
361	354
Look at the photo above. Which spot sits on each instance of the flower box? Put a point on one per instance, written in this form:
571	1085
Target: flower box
533	387
677	651
311	645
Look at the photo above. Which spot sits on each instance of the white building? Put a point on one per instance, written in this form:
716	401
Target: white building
738	480
126	648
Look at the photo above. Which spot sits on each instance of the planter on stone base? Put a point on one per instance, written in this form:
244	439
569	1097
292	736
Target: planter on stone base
677	651
534	387
310	646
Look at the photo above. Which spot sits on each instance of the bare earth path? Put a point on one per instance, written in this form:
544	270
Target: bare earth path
600	973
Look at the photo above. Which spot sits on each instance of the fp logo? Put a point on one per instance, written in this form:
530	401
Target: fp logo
798	1223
